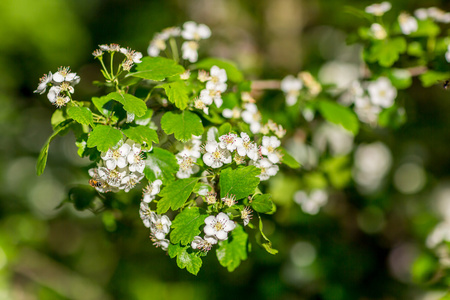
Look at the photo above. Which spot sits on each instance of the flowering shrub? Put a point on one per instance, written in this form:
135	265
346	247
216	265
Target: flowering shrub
191	133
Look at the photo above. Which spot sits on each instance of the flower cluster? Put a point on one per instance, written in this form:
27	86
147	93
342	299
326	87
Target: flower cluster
61	83
187	157
121	168
216	229
159	226
434	13
312	202
215	86
191	32
369	101
291	87
219	153
131	56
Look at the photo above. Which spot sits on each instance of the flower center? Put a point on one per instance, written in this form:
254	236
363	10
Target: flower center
159	226
116	154
218	226
217	155
60	101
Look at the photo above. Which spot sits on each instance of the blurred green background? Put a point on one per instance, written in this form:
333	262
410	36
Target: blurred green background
361	246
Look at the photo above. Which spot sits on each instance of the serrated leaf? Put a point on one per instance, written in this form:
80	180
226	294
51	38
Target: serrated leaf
82	115
141	134
174	249
387	52
338	114
131	104
288	160
430	78
42	158
234	250
57	118
99	102
186	225
157	68
104	137
190	261
240	182
183	125
224	129
263	204
267	245
161	164
175	194
233	72
177	93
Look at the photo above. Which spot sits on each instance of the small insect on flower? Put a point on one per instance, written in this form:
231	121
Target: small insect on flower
94	183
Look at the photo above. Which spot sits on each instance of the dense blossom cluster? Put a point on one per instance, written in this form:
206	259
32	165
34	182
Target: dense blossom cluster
121	168
159	226
187	158
191	33
370	98
61	86
215	86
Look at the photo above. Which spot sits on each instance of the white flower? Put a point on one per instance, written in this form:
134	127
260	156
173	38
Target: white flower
193	31
421	13
219	226
267	168
43	83
228	141
145	213
234	113
102	186
215	157
246	215
354	90
163	243
187	166
382	92
407	23
134	159
367	112
129	181
203	244
438	15
217	80
112	177
64	74
160	225
132	55
252	116
439	234
55	97
199	104
269	145
192	148
117	156
291	86
171	32
189	50
378	9
229	200
151	190
157	45
378	31
312	203
245	147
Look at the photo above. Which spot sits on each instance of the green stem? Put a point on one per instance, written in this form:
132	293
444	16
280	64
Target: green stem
174	48
108	76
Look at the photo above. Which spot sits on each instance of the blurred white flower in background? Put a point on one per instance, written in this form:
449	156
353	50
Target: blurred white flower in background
408	24
378	9
334	138
312	202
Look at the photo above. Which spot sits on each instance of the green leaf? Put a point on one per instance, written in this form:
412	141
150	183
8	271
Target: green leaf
263	204
268	244
141	134
131	104
183	125
234	250
400	78
224	129
175	194
338	114
104	137
99	102
187	225
174	249
157	68
57	118
240	182
82	115
424	268
430	78
288	160
190	261
426	28
387	52
177	93
233	72
161	164
42	158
